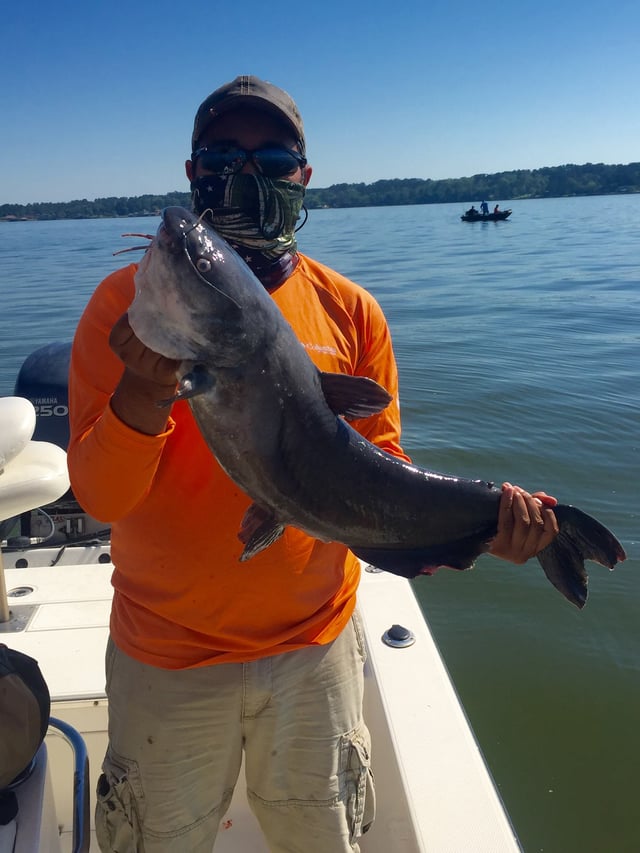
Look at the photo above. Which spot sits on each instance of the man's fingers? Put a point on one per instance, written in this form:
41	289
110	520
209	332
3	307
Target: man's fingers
545	499
121	333
505	520
537	525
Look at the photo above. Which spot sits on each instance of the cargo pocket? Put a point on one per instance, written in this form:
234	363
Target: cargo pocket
118	806
358	791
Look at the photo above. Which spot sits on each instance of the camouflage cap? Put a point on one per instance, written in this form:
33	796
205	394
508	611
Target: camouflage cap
253	92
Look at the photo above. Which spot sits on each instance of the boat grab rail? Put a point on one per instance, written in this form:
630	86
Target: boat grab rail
81	831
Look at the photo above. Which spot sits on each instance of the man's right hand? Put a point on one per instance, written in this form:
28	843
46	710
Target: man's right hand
148	379
139	359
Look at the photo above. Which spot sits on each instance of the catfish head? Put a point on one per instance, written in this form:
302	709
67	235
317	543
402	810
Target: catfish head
196	300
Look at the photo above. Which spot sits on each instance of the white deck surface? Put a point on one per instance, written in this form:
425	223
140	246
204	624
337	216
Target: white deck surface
434	792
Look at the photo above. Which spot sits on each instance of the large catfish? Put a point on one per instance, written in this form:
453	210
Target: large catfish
278	427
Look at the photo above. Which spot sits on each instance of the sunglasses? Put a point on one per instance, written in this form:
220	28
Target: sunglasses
272	161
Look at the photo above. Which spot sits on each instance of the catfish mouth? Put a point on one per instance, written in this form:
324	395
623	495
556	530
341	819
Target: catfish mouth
167	239
172	233
181	233
176	224
164	237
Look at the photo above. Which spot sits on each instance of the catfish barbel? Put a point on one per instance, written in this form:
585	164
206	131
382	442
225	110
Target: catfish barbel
276	425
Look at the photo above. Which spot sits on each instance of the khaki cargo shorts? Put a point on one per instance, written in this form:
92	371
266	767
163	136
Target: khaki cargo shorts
177	740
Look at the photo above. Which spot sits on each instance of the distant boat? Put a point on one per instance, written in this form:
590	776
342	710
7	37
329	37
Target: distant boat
476	216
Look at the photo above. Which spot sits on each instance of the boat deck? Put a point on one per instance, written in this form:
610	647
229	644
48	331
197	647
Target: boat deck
433	788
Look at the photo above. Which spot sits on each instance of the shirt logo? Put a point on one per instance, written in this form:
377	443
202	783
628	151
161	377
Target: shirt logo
319	348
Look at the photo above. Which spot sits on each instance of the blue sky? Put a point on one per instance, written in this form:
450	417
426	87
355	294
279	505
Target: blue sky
97	98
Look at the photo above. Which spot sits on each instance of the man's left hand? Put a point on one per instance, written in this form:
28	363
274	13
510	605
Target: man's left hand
526	524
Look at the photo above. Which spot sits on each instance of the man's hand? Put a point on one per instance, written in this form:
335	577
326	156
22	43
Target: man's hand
148	379
139	359
526	524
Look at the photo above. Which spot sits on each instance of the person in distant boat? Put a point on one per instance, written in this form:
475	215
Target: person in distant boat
209	659
472	211
484	207
496	209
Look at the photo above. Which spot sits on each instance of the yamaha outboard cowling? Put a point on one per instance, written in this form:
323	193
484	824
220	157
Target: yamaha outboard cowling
44	380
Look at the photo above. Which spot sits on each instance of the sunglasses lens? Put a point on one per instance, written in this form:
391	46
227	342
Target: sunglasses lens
276	162
222	161
271	162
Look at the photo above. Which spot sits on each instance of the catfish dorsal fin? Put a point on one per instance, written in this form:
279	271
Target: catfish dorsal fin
353	396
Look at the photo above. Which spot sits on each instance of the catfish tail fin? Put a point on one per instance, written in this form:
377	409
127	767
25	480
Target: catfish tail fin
581	538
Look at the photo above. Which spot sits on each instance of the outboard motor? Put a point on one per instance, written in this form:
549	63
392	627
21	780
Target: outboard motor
44	380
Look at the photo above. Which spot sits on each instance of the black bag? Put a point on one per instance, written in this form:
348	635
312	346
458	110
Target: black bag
25	706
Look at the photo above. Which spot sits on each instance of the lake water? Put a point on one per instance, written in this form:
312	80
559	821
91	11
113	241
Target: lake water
519	358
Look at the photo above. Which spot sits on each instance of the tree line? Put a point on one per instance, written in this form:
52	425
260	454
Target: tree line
547	182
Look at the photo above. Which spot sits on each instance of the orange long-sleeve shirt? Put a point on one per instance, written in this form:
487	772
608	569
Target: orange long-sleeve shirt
181	596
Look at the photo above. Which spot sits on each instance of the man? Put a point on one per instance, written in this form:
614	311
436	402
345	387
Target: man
207	657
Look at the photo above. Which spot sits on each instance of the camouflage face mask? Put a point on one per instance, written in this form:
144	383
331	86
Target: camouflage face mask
251	211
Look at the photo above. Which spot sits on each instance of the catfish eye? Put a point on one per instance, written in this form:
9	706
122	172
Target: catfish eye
203	265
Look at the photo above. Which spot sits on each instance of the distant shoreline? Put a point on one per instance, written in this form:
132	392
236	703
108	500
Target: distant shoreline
567	181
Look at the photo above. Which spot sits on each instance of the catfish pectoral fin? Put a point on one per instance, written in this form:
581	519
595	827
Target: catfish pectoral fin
197	381
258	530
581	538
353	396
